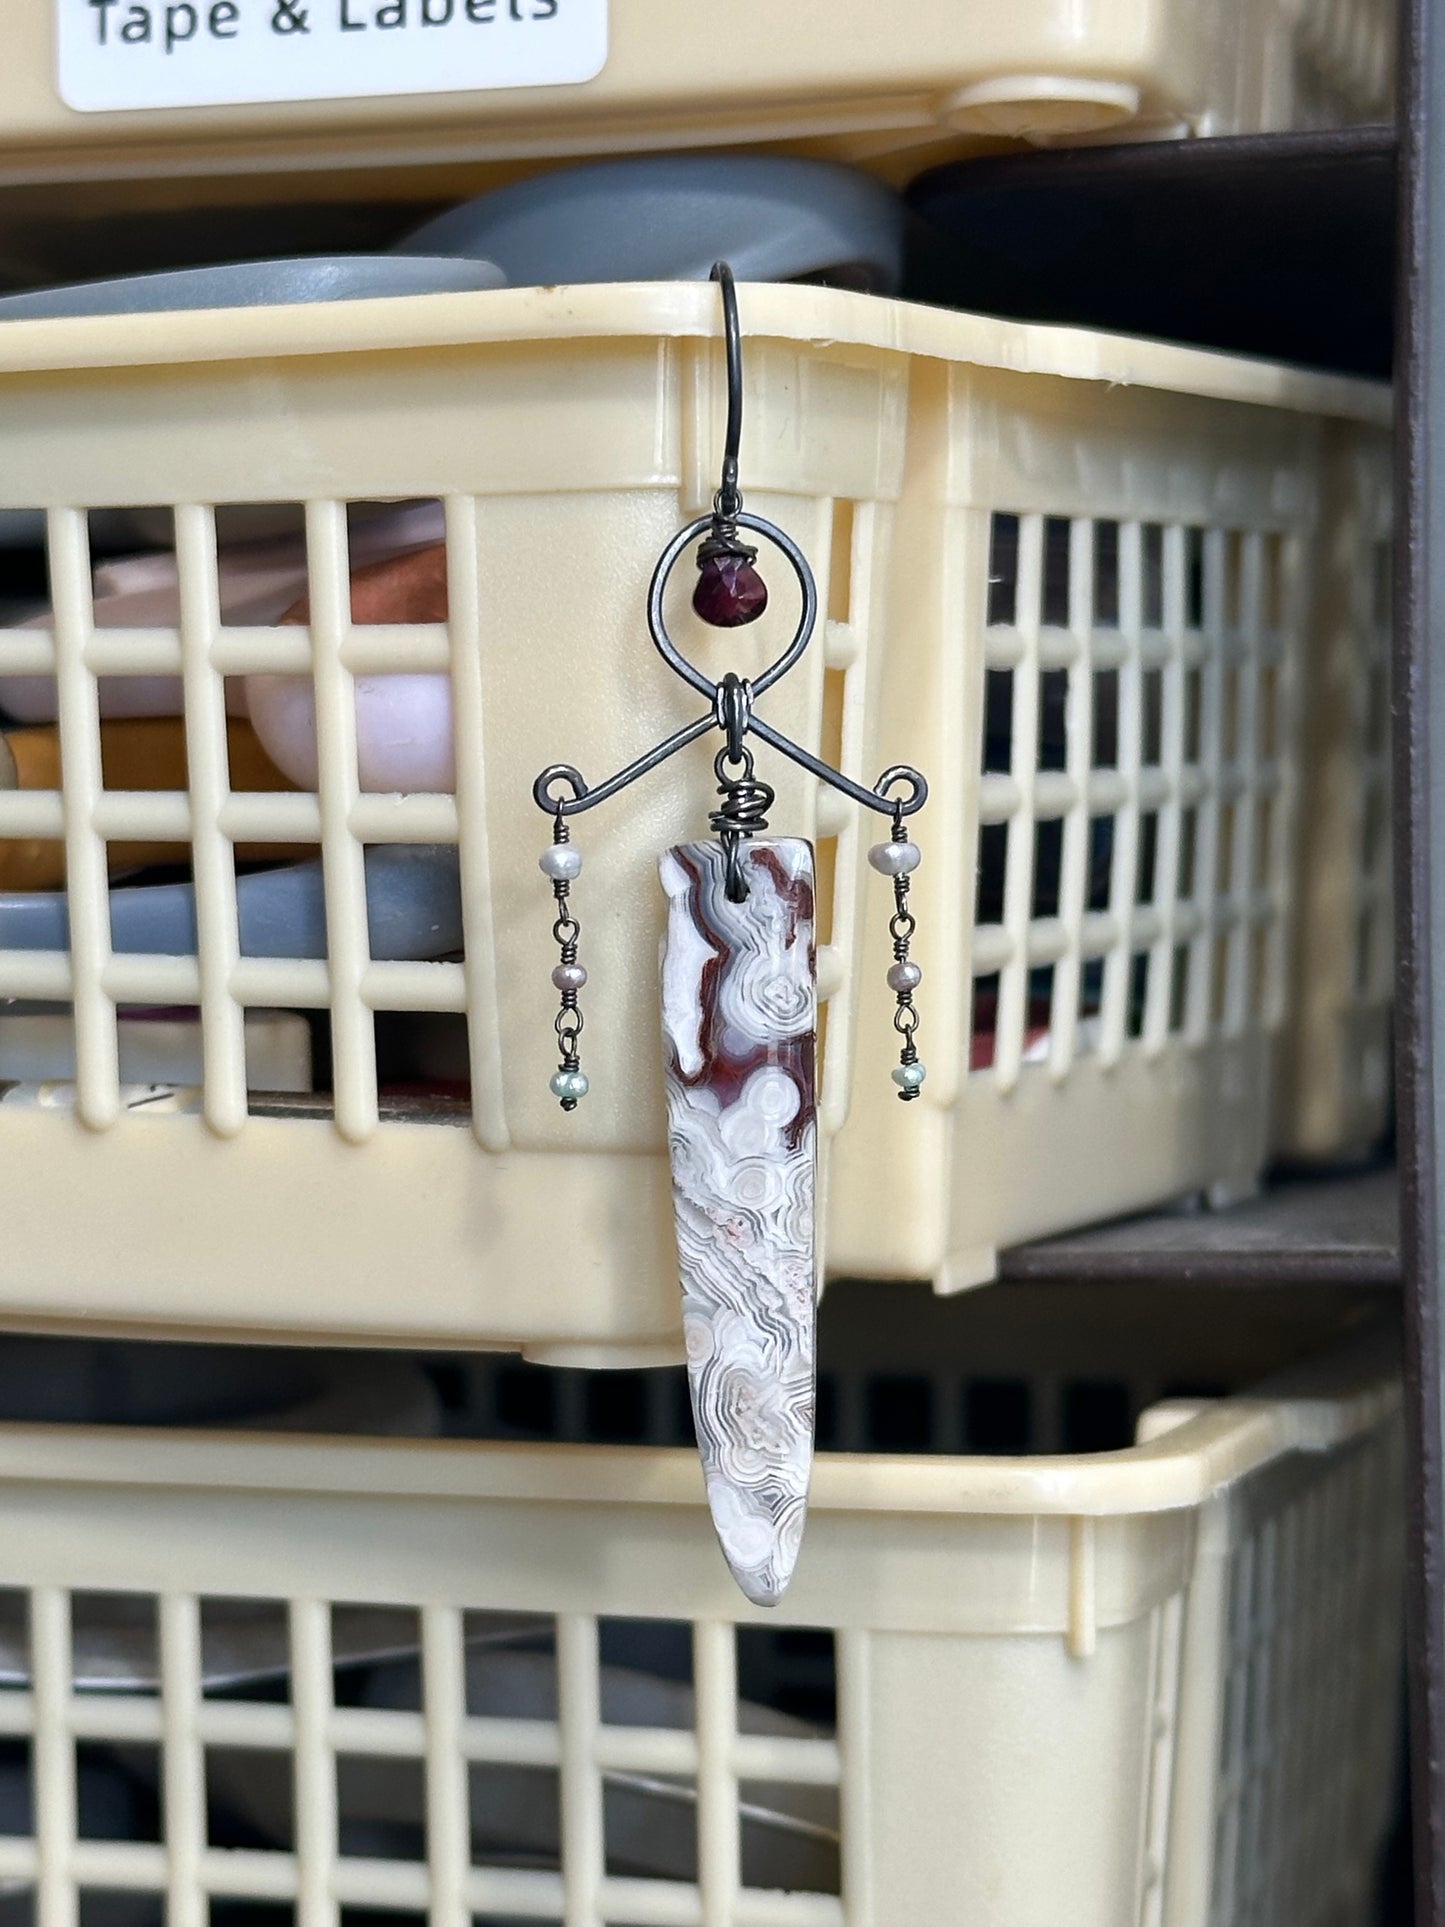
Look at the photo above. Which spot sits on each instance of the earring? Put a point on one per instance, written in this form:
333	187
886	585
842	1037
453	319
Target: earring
739	1022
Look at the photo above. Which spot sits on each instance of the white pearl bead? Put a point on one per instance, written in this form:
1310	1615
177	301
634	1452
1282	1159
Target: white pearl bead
904	976
569	976
895	859
563	862
908	1077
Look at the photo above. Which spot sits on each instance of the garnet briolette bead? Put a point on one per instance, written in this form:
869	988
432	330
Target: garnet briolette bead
729	590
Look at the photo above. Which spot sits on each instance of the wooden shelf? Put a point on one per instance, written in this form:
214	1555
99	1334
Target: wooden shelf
1334	1230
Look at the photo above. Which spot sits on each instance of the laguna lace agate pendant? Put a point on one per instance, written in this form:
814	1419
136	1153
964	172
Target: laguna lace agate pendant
739	1014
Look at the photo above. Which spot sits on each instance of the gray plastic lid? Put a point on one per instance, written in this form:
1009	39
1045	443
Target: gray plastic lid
669	218
259	284
413	911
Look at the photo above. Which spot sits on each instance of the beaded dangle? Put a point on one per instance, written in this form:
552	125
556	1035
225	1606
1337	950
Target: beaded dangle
562	862
899	858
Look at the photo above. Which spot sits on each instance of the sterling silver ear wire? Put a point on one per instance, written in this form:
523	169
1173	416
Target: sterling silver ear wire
739	1020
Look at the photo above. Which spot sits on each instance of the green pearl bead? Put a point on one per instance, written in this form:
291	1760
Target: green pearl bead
908	1077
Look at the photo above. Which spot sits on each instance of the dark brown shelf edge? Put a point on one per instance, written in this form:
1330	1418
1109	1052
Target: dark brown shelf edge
1317	1230
1419	710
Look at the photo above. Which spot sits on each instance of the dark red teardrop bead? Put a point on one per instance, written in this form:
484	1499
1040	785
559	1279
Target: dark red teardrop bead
729	591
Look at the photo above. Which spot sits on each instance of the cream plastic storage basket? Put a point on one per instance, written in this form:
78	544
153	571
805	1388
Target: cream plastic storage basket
569	432
1103	637
569	435
1158	1685
637	76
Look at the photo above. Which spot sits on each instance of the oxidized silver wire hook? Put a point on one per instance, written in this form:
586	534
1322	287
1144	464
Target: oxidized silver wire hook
728	501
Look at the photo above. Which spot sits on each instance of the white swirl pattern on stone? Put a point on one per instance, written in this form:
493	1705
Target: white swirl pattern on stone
739	1019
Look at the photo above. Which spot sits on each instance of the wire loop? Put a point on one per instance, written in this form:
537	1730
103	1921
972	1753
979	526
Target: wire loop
731	699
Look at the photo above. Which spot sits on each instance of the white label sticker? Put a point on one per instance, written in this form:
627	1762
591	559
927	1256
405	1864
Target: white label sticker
213	53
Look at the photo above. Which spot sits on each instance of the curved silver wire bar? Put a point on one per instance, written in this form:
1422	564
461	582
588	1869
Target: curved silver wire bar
874	799
584	798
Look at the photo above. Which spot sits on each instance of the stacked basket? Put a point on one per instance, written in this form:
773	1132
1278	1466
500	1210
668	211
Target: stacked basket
1075	578
453	85
1075	1643
1162	1682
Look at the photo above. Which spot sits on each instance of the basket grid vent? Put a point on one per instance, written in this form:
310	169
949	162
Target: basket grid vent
1134	789
388	951
342	1764
1293	1788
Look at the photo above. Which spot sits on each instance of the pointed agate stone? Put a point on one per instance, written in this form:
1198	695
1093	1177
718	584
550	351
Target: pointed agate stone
739	1020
